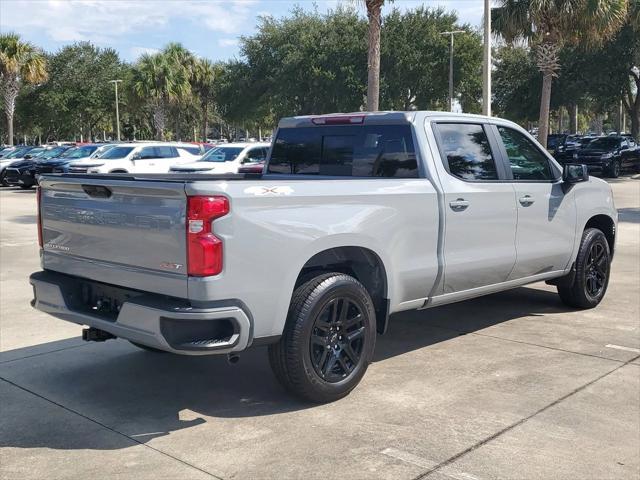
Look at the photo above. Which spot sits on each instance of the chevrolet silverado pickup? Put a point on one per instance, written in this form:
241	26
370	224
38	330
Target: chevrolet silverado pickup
356	217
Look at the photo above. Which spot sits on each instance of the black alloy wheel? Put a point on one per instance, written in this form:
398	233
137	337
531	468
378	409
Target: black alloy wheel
587	285
596	270
337	339
328	339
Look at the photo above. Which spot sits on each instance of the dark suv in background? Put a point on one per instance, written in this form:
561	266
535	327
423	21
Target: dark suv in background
610	155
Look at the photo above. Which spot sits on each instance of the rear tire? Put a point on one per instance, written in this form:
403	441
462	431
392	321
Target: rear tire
593	267
328	339
25	187
147	348
3	179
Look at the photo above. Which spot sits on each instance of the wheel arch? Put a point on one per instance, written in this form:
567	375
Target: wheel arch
360	262
606	225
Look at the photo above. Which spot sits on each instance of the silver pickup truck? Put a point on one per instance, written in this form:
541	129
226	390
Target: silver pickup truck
357	216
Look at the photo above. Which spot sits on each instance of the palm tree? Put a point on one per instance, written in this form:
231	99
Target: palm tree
374	14
156	79
548	26
203	80
20	62
182	63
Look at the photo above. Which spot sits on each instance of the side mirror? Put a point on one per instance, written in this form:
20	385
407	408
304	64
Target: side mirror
136	156
574	173
27	156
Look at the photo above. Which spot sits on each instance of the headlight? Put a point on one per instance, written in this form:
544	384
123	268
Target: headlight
606	156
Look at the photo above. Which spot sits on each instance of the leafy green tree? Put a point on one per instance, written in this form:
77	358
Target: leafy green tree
20	62
79	96
515	82
182	64
203	78
156	80
306	63
415	68
549	26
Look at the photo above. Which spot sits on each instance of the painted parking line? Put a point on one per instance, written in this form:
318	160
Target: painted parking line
426	463
622	347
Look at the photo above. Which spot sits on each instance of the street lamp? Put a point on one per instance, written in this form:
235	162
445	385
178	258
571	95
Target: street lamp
115	83
451	34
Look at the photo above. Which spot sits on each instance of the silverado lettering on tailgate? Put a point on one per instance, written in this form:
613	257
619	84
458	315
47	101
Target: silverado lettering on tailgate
97	217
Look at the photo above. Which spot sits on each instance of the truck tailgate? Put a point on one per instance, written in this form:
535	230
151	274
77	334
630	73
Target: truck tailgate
116	231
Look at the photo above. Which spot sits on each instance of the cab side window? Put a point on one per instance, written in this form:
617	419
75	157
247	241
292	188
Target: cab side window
467	150
166	152
526	160
256	155
147	153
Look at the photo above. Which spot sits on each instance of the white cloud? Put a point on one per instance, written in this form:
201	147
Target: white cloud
103	21
228	42
135	52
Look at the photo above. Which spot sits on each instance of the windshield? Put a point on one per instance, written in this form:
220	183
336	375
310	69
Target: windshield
101	151
18	153
79	152
222	154
116	152
34	152
603	143
51	153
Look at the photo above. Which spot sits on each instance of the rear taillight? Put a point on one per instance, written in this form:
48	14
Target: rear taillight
204	249
39	204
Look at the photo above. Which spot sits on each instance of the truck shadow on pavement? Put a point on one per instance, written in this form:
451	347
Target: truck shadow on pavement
139	396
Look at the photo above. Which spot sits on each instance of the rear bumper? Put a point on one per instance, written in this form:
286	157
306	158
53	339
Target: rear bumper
154	320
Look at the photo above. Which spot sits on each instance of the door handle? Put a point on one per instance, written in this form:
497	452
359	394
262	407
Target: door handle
526	200
459	205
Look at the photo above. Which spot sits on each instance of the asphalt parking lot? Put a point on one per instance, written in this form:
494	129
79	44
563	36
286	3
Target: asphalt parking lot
514	385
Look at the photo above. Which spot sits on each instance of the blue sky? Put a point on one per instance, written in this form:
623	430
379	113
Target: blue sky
209	28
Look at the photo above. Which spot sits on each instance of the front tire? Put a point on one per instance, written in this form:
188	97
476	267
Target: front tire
593	267
328	339
614	169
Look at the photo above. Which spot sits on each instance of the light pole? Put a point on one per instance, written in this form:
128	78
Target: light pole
486	64
115	83
451	34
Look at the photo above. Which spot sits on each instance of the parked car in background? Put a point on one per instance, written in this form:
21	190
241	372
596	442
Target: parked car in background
554	141
252	167
17	156
148	157
227	158
4	151
23	173
610	155
60	161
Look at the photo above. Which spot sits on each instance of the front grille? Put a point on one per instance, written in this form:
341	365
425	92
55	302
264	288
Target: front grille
77	170
44	169
13	175
57	170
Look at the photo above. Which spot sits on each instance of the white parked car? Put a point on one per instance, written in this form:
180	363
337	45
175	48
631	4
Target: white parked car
138	158
226	158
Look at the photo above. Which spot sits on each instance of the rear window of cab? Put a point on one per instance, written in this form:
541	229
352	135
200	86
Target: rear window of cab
385	151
